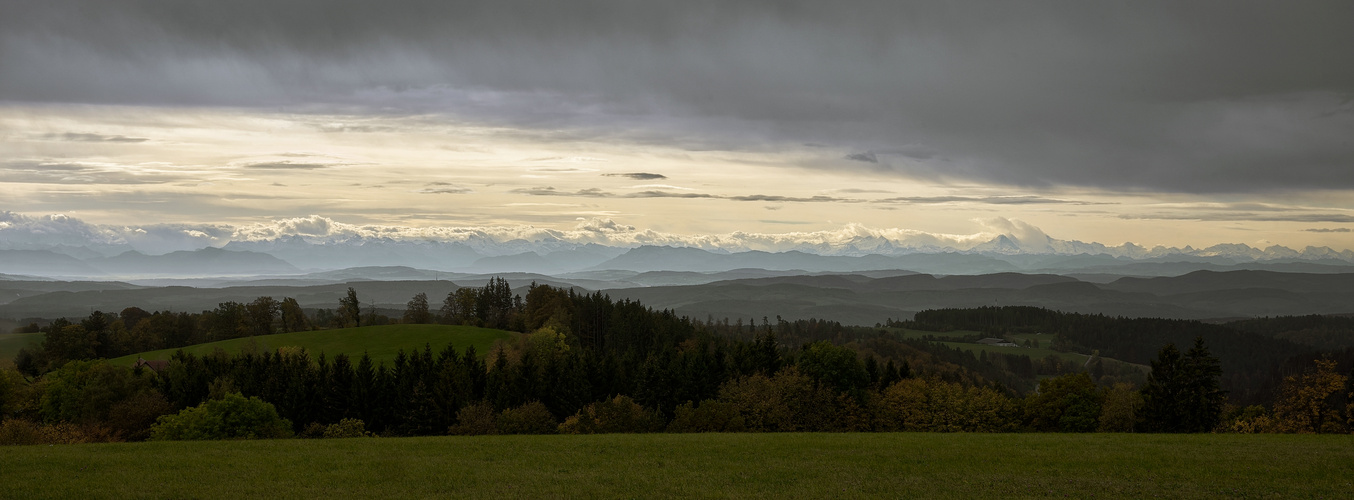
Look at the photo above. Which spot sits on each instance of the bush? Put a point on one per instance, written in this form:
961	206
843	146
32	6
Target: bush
475	420
85	391
346	428
618	415
133	417
22	432
530	418
711	416
18	398
19	432
938	406
232	417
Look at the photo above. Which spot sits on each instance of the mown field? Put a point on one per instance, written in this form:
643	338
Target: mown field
381	342
1044	342
10	343
696	465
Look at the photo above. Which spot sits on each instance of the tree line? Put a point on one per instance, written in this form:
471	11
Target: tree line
585	363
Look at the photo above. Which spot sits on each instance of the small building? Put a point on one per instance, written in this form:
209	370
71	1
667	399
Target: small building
997	342
155	366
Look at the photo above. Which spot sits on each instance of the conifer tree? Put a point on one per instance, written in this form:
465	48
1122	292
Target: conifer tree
1182	393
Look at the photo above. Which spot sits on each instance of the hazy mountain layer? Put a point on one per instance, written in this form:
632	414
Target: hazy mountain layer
848	298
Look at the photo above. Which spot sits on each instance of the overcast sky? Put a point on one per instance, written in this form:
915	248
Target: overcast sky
1175	123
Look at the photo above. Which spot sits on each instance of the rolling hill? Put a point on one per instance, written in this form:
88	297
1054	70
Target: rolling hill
380	342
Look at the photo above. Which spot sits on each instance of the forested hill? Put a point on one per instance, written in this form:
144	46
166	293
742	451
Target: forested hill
1249	360
1322	332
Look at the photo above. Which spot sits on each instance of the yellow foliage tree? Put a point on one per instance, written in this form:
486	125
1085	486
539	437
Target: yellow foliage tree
1307	402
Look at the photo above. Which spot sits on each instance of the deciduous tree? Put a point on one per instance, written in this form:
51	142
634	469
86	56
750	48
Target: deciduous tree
1308	402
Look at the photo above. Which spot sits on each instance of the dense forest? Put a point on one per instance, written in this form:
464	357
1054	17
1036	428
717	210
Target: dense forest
583	363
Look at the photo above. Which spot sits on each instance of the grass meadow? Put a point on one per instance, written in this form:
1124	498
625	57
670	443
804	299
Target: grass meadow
696	465
11	343
380	342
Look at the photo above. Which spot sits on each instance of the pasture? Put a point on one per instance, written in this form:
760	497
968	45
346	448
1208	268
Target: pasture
380	342
11	343
696	465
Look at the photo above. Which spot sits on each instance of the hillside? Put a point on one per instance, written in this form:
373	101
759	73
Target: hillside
11	343
380	342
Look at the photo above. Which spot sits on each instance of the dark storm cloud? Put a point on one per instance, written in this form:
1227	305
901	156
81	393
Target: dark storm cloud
1179	96
642	176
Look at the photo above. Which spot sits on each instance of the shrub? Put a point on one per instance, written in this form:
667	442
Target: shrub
19	432
618	415
938	406
132	418
790	402
530	418
22	432
474	420
231	417
346	428
85	391
711	416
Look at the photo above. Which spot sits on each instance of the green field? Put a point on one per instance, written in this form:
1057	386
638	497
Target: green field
381	342
696	465
1033	353
919	334
10	343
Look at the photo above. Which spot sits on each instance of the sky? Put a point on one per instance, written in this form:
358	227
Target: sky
1158	123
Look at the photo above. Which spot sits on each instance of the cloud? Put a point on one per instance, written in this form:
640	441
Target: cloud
1328	230
598	193
65	172
444	188
29	232
1251	217
86	137
643	176
561	169
1149	95
286	165
989	200
866	157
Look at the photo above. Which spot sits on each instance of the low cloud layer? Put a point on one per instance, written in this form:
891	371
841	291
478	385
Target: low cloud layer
20	231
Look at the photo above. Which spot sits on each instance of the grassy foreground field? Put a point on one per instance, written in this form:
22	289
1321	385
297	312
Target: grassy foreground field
381	342
696	465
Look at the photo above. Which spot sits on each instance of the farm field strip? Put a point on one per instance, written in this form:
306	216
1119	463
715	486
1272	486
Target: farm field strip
380	342
696	465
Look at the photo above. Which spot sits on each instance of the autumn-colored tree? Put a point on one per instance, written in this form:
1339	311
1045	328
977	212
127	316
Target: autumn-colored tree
619	414
1120	409
1307	402
935	405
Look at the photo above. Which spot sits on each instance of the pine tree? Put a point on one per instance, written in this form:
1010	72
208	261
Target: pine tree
1205	394
1182	392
